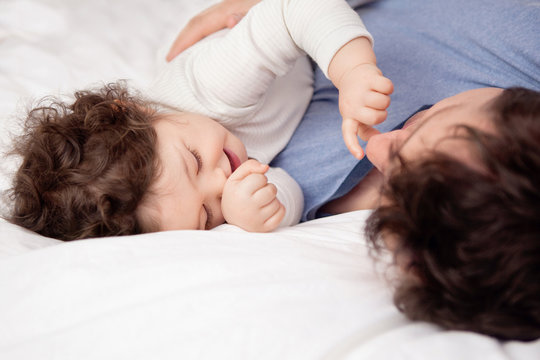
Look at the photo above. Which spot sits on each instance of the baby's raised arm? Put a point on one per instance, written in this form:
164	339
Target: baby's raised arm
364	93
233	73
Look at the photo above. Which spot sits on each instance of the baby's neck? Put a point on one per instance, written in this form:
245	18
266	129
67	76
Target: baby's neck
365	195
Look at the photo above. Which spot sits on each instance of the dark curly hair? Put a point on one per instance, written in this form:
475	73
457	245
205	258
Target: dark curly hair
469	240
85	166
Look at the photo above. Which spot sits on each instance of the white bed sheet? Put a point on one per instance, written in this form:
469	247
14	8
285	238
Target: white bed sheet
307	292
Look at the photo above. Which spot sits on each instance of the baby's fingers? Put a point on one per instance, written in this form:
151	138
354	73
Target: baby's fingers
274	214
252	183
367	116
265	194
351	129
383	85
366	132
268	210
249	167
377	101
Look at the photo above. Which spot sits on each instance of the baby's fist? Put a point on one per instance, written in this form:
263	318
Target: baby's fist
249	201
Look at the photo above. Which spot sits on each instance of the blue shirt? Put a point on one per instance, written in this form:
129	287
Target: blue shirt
430	50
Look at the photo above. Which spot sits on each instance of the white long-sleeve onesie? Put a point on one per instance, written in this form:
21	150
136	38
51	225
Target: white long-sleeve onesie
256	80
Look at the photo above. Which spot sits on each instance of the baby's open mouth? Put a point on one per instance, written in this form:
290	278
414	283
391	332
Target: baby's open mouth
233	159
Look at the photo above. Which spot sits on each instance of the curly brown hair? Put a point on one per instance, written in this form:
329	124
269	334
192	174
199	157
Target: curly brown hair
85	166
469	240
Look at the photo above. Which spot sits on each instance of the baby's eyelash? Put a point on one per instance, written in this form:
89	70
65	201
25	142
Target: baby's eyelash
197	157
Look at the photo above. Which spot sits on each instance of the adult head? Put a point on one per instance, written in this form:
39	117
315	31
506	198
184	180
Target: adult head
460	211
419	52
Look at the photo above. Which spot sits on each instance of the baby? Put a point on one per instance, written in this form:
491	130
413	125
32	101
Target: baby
193	154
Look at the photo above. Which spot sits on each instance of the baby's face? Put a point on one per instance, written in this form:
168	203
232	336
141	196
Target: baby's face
196	155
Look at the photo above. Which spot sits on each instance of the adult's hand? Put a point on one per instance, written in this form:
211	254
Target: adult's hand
225	14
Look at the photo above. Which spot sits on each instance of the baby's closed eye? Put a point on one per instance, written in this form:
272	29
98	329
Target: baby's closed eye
198	159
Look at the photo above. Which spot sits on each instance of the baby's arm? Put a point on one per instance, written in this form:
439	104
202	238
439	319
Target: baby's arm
364	93
226	77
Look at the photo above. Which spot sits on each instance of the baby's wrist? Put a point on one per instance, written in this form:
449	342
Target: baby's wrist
353	68
355	52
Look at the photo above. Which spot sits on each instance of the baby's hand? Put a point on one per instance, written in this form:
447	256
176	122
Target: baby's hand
249	201
364	95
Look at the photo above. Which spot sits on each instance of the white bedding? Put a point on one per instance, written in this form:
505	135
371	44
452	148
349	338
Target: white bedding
307	292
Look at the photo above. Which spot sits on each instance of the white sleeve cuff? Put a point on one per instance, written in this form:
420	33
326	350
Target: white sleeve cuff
289	194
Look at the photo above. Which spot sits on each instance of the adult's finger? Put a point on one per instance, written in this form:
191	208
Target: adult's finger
207	22
219	16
